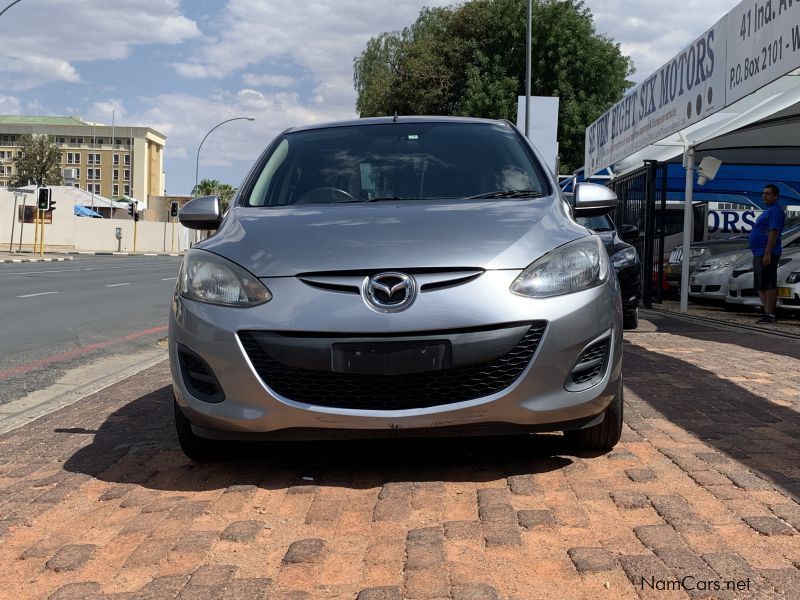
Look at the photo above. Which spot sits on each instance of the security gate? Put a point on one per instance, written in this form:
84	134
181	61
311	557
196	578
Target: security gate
642	200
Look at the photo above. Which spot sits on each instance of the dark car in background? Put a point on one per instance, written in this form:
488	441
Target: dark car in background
624	260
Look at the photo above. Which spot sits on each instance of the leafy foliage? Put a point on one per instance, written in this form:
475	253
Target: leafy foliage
212	187
39	164
469	60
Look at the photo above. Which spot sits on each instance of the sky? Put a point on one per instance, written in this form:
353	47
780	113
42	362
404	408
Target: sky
182	67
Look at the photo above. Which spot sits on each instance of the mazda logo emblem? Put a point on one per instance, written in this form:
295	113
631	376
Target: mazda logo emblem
389	292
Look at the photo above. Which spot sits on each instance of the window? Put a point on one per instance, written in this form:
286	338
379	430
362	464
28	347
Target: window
74	158
127	174
127	190
71	140
77	175
96	188
93	174
94	158
61	140
115	187
116	159
97	173
99	140
118	141
80	140
116	174
127	160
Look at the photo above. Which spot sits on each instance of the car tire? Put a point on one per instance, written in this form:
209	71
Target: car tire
605	435
630	320
195	447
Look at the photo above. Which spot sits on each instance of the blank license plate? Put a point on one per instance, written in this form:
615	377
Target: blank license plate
784	292
390	358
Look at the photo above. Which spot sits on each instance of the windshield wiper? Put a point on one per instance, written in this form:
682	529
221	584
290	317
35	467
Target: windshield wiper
508	194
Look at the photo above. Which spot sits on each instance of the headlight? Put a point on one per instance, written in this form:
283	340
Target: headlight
697	252
794	277
209	278
624	258
573	267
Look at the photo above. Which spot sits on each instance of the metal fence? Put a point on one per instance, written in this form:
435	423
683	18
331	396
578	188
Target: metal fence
642	202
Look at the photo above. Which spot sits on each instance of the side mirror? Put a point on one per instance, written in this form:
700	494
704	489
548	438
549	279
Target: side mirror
201	213
629	232
592	200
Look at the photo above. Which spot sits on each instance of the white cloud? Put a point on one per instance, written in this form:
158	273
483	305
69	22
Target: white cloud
275	81
22	72
321	38
653	32
9	105
82	30
186	119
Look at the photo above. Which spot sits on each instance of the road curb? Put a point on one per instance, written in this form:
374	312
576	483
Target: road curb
93	253
42	259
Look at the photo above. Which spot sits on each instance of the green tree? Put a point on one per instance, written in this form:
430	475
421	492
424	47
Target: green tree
38	163
212	187
469	60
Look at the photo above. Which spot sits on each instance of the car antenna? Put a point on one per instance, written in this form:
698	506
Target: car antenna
395	116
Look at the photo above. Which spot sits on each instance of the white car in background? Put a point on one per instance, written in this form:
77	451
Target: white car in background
740	285
709	281
789	285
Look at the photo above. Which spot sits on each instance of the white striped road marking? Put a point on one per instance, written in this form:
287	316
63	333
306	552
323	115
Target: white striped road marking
39	294
168	278
116	284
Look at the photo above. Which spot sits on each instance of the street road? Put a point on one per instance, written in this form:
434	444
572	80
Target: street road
55	316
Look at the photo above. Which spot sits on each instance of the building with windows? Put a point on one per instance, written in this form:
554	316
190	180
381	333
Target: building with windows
109	160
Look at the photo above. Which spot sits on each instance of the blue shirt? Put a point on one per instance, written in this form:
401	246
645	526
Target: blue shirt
772	218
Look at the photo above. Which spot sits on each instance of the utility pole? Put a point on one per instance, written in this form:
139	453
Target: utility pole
528	30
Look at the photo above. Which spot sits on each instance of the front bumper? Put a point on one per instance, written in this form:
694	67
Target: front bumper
537	399
709	285
741	291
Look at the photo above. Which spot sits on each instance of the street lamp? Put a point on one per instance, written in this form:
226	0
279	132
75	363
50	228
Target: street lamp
9	6
197	165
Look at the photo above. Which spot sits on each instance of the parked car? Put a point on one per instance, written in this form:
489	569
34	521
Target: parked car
625	261
709	281
397	276
740	285
789	285
703	251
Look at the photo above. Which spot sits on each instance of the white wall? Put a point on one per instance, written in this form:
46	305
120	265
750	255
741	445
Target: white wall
71	233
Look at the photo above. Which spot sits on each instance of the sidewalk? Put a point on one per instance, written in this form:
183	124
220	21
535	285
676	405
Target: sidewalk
9	257
700	499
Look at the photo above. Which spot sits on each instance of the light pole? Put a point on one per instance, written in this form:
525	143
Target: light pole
197	165
528	71
9	6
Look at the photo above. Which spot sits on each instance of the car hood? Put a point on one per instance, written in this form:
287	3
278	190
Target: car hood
508	234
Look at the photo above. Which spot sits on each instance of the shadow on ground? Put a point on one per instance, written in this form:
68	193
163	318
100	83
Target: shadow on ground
137	444
751	429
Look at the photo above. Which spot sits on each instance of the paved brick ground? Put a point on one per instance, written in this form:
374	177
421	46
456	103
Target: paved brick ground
96	500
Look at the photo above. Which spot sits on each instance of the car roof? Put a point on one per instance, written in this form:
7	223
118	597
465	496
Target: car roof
389	120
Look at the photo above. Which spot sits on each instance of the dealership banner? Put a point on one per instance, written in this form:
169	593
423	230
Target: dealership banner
754	44
763	44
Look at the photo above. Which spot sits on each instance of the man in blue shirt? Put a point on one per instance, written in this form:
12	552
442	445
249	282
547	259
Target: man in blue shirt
765	243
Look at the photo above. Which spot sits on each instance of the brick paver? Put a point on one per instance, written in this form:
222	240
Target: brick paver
97	501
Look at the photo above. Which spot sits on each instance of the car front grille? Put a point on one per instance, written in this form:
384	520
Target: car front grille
713	288
749	293
695	289
590	364
198	377
393	392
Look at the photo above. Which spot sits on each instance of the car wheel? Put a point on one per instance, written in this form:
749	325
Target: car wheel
630	320
195	447
605	435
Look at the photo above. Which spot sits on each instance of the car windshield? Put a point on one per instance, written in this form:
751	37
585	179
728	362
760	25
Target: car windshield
598	223
397	162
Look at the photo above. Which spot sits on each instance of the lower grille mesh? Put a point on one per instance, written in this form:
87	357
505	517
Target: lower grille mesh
393	392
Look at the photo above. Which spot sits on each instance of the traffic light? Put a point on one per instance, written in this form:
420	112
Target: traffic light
132	209
173	209
44	198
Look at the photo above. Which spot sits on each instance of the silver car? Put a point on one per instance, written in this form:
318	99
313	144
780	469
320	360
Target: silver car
740	284
397	276
709	281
